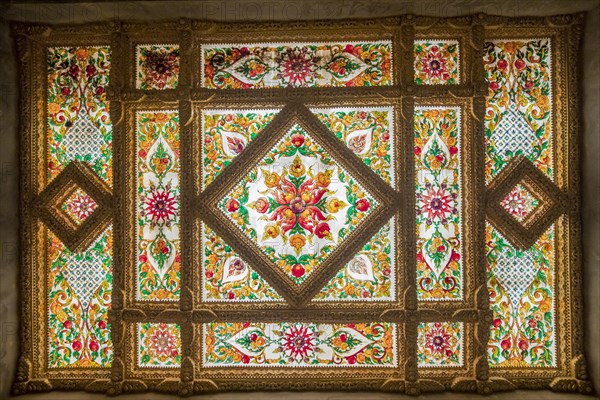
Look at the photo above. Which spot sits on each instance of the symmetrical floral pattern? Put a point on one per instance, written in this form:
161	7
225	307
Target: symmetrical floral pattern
157	67
297	204
370	275
521	287
79	126
519	104
519	203
368	132
158	253
226	133
440	344
78	206
226	276
436	62
259	65
79	298
438	187
299	345
159	345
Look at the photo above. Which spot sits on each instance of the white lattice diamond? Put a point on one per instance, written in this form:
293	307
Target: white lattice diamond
513	133
84	273
83	139
515	274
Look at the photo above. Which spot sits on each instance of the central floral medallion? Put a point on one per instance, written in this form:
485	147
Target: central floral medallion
298	204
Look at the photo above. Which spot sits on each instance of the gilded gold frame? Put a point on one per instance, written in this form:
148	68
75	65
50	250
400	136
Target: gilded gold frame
190	312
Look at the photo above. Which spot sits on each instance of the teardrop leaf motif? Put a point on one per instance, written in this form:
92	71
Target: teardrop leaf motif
233	143
360	141
350	341
234	270
346	66
249	69
437	252
250	341
160	157
435	155
161	254
360	268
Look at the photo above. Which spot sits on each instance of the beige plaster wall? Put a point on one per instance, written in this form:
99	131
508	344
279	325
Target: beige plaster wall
69	12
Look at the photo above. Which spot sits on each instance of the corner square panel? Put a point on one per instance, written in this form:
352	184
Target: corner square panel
158	345
298	204
440	344
157	66
226	133
370	275
437	62
226	277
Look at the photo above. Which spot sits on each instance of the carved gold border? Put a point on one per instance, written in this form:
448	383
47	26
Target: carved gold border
189	97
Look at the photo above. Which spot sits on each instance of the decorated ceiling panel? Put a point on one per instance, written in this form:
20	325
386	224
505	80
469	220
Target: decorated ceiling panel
381	205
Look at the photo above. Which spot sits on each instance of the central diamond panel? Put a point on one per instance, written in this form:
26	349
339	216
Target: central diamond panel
297	204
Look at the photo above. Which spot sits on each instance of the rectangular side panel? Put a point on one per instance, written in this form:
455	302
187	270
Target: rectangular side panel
438	203
158	205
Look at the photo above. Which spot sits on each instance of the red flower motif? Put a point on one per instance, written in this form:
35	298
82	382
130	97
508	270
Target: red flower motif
236	145
81	205
209	274
297	139
162	341
262	205
519	64
297	66
437	204
362	205
351	360
101	324
502	64
434	64
497	322
245	359
505	344
323	230
160	206
77	345
298	341
343	337
67	324
297	205
65	91
494	85
253	337
437	339
523	345
453	150
298	270
232	205
417	150
93	346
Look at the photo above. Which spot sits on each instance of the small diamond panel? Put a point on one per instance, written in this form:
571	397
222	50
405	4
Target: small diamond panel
440	344
159	345
436	62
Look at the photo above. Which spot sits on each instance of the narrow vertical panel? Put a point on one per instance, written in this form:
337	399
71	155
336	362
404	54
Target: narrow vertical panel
522	296
438	203
518	117
80	284
158	199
